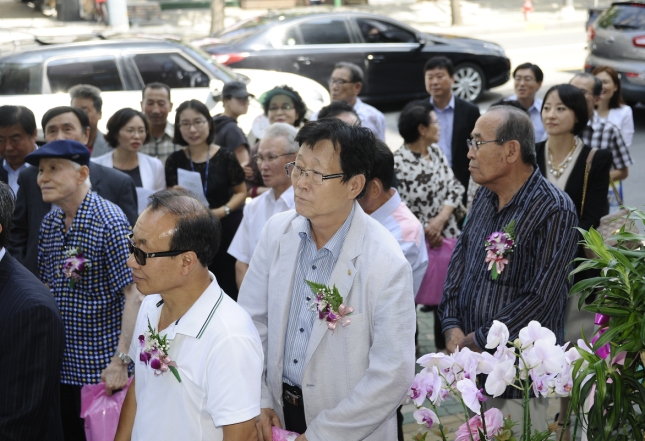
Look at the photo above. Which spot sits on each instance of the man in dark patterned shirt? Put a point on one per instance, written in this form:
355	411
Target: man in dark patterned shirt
533	285
82	254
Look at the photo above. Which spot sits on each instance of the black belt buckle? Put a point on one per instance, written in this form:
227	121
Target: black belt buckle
291	398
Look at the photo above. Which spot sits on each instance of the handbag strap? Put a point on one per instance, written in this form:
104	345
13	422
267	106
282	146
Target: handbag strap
584	187
616	193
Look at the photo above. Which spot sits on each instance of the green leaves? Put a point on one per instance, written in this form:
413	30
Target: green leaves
510	229
331	295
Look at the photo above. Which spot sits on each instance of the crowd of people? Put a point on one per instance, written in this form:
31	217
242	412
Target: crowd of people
199	258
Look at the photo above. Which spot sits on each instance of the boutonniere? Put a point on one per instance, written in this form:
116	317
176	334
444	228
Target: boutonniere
329	304
498	246
75	265
154	353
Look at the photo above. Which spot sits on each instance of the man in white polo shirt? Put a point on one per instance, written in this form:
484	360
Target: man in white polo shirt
276	149
204	382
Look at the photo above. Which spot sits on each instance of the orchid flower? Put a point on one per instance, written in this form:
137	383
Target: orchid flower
497	335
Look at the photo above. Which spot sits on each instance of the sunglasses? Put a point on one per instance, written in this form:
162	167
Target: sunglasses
140	256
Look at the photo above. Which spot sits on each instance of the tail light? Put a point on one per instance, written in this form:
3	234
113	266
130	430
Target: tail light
229	58
591	33
639	41
587	67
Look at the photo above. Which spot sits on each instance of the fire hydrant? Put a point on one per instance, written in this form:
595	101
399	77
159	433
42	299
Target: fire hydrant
527	8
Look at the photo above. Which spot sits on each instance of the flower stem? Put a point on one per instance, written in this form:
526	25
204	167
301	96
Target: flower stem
566	420
483	411
443	434
470	433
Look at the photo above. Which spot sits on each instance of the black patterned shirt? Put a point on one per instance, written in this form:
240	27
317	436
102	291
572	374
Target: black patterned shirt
92	309
534	284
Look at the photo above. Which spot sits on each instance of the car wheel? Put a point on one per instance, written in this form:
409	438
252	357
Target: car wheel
469	82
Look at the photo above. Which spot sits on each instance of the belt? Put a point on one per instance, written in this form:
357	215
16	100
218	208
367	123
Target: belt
292	395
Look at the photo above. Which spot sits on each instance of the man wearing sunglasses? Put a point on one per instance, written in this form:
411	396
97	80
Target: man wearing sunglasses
82	255
214	390
344	384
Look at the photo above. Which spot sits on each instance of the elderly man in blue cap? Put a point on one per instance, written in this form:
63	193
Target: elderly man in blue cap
82	254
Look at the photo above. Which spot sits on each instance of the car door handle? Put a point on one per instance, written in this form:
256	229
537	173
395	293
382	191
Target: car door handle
376	58
305	60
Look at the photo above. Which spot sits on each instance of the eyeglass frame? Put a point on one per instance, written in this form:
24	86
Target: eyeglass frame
324	177
132	248
258	159
198	124
282	107
474	144
340	82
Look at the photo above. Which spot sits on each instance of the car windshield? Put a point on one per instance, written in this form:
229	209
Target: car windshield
20	78
623	17
222	72
244	29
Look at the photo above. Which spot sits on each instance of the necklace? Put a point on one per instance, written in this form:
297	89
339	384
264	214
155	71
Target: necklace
557	170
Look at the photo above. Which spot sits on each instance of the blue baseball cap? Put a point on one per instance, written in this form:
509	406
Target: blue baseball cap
66	149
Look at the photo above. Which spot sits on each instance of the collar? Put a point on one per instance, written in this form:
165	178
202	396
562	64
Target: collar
595	120
451	103
521	197
537	103
170	129
2	253
286	196
7	167
387	208
79	221
335	244
358	104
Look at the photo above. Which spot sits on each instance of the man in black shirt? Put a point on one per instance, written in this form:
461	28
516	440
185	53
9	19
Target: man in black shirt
229	135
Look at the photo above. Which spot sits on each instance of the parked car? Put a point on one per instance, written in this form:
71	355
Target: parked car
617	39
41	78
391	54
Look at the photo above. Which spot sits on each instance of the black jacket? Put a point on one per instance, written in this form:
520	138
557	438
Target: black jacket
228	135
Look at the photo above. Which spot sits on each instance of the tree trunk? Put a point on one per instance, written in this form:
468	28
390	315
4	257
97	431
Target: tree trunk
456	13
217	16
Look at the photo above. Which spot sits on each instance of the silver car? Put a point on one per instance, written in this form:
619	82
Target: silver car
617	39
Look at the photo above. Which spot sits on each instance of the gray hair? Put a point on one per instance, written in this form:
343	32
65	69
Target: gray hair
356	72
89	92
6	212
286	131
597	84
77	167
517	126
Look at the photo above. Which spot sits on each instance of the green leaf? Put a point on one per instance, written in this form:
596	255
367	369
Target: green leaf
611	333
510	229
315	287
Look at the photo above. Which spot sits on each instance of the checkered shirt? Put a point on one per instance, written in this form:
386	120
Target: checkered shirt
92	310
602	134
162	147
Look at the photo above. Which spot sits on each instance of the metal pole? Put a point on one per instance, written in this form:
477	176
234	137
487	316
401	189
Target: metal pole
118	15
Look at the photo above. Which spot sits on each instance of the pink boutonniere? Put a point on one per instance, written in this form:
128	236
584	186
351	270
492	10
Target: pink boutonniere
154	353
329	304
498	246
75	265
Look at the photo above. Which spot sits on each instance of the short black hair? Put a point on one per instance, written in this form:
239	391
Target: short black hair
18	116
355	145
414	113
6	212
440	63
336	108
574	99
197	228
197	106
87	91
539	75
120	118
383	168
54	112
511	103
298	102
155	85
356	73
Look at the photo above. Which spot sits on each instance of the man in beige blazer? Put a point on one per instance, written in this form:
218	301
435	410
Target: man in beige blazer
343	384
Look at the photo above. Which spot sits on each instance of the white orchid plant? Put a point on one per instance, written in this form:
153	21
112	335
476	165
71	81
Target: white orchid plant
533	361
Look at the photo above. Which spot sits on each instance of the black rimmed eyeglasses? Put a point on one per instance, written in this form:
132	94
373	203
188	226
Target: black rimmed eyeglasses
474	144
140	256
314	177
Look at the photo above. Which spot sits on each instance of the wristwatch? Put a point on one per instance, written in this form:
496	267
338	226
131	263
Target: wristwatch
125	358
227	209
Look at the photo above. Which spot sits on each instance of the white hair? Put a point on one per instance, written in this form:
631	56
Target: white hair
77	167
286	131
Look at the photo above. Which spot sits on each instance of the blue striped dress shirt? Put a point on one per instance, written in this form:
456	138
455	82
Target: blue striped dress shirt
316	266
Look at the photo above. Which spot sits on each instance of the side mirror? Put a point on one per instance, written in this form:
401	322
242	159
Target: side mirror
215	87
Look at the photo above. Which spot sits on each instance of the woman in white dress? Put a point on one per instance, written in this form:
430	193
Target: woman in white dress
611	106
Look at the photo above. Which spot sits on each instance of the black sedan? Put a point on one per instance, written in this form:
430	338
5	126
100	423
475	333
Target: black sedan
391	54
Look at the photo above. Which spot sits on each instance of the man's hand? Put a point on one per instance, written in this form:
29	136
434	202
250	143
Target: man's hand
435	226
454	338
267	419
436	242
469	342
115	376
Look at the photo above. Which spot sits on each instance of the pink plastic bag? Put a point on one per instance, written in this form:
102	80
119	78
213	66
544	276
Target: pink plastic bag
283	435
431	288
101	412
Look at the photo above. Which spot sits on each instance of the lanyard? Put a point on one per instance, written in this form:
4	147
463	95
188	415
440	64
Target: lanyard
192	167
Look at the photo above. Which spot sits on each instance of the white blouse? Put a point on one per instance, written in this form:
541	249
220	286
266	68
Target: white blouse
623	118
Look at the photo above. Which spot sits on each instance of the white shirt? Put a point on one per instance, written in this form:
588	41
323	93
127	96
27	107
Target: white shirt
623	118
12	175
535	113
408	231
2	251
220	360
256	214
371	118
446	118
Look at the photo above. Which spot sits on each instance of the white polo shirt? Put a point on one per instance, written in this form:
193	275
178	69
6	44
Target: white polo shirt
220	360
256	214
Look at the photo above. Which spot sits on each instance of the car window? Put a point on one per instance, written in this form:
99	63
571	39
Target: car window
100	72
172	69
377	31
243	30
324	31
20	79
623	17
290	37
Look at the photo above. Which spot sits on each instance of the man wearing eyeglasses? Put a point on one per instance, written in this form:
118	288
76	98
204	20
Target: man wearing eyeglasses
528	79
345	84
235	99
344	384
277	148
82	254
532	283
